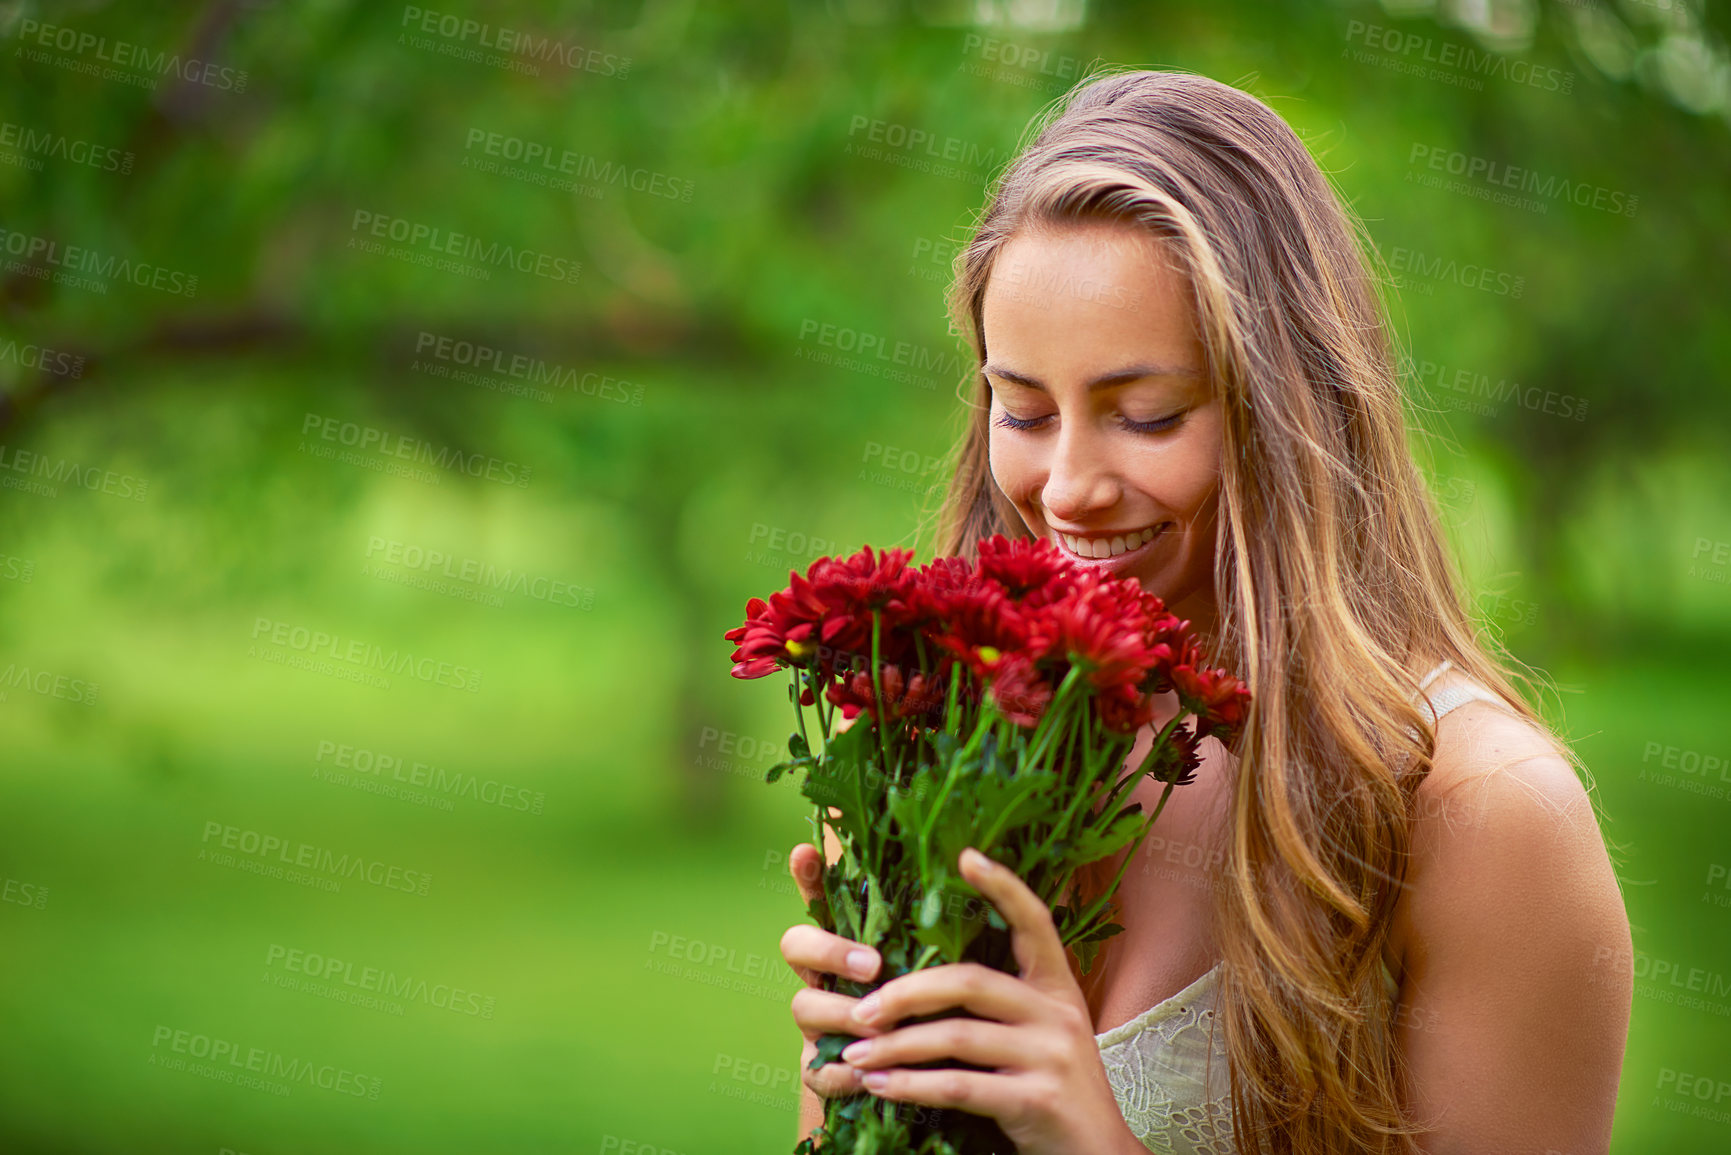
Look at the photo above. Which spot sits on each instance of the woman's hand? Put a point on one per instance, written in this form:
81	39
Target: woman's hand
812	952
1047	1086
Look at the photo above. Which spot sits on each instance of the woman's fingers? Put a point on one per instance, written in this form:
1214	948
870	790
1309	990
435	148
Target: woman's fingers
831	1079
977	1041
827	1013
1003	1097
805	863
977	988
1034	937
811	952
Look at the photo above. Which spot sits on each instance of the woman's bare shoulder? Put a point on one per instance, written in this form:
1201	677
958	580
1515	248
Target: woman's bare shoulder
1505	842
1491	764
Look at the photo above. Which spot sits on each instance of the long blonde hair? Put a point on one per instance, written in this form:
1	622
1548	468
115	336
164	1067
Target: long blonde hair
1332	575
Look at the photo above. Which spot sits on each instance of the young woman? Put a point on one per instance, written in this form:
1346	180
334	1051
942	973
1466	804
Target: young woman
1388	922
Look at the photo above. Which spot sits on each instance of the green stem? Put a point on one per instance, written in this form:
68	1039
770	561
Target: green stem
1081	791
944	793
878	692
1054	709
956	671
1099	904
1147	759
799	711
984	845
1147	826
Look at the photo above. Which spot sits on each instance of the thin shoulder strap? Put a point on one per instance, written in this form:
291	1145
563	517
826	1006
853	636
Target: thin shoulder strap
1452	697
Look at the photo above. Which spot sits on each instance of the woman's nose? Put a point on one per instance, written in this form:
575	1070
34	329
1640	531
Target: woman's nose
1080	480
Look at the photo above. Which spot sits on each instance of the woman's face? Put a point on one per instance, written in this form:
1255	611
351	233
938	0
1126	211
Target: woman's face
1092	345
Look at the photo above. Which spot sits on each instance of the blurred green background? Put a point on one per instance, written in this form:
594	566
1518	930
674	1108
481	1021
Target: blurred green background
397	403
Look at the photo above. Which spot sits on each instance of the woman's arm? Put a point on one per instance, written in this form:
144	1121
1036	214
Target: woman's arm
1518	961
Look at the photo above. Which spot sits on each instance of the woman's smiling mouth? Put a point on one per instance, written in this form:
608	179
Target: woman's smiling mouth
1108	548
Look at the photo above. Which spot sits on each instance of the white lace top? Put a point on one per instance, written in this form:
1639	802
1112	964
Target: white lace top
1175	1100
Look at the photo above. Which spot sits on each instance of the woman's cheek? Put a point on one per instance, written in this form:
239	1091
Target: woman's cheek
1194	469
1008	470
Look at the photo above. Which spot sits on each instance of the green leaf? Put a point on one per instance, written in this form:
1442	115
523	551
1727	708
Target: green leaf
846	908
829	1049
931	908
879	912
1091	845
781	768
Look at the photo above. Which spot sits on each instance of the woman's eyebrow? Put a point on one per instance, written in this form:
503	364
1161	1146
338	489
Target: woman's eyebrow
1115	377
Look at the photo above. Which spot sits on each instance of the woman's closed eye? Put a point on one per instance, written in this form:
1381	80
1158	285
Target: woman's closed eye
1158	425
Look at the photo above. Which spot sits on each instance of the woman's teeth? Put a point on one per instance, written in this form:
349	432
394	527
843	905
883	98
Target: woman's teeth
1096	547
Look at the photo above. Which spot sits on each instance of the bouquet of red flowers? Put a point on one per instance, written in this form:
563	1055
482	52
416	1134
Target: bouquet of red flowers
1000	700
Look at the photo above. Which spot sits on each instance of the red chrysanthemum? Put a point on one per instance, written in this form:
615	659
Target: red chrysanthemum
825	618
1019	691
1033	571
1218	700
920	696
1015	620
981	626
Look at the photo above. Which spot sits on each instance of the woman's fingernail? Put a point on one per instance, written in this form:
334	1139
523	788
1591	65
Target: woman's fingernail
862	963
875	1080
867	1010
855	1052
